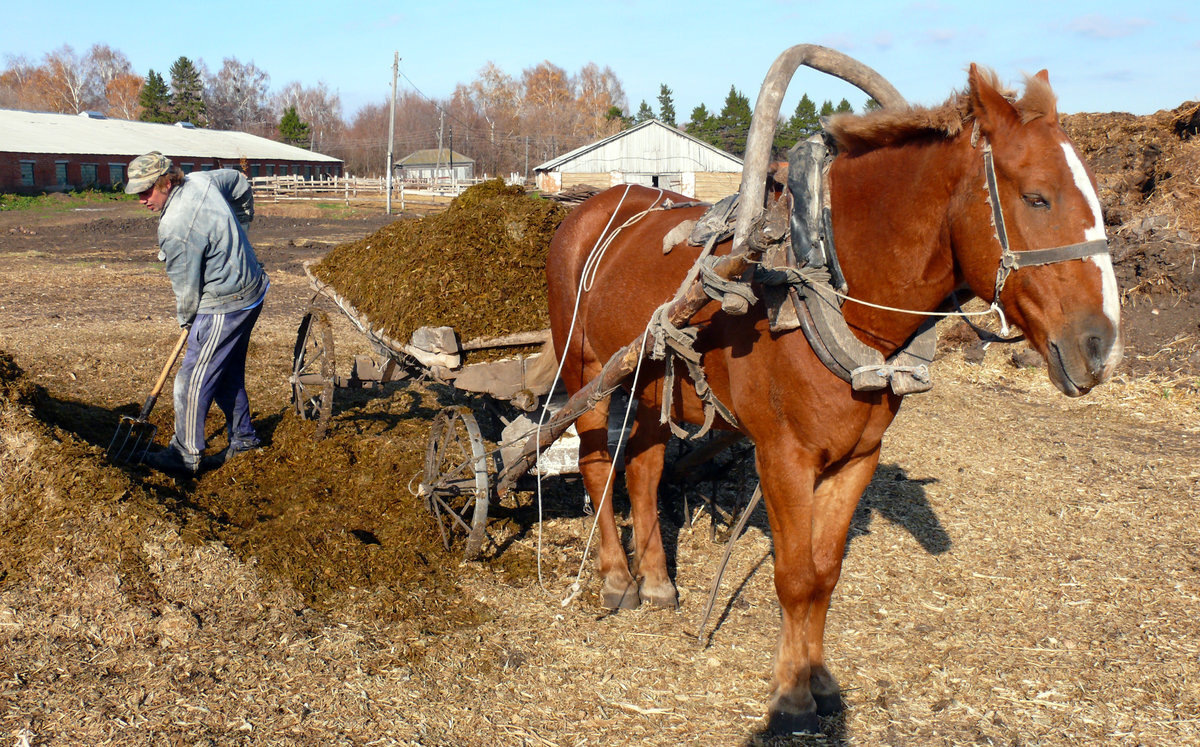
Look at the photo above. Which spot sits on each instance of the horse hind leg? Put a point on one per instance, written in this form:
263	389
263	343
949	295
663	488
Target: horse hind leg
619	589
644	454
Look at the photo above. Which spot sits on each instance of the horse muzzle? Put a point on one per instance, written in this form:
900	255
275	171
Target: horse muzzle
1084	355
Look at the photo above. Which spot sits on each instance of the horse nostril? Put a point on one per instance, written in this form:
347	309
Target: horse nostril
1095	351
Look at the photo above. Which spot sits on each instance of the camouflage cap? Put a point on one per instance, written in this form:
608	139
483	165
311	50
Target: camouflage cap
144	171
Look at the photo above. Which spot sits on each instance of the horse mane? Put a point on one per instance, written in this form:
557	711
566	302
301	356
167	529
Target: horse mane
883	128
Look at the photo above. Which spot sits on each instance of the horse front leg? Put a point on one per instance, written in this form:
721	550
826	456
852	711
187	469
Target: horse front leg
619	590
644	454
788	481
837	495
809	527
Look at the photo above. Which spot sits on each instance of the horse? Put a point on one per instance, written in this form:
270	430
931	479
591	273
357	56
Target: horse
914	223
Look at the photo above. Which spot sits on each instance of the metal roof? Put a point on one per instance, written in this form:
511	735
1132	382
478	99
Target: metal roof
42	132
649	146
430	157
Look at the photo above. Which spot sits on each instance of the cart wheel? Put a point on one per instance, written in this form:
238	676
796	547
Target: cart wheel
313	370
455	483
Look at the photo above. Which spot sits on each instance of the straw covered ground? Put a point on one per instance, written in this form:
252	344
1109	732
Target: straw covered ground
1022	570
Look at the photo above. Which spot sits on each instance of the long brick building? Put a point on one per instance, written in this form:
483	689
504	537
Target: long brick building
40	151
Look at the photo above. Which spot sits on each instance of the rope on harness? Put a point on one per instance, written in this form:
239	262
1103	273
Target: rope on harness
721	289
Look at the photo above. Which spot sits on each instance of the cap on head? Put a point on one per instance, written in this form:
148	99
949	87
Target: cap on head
145	170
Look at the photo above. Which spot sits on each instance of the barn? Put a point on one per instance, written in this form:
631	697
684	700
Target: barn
650	153
40	151
435	165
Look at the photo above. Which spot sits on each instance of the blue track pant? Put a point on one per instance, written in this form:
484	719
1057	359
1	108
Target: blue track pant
214	370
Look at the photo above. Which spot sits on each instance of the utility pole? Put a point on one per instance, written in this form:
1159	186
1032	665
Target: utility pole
453	180
392	129
441	128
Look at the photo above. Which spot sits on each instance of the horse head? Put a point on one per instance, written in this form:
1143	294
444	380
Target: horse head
1032	236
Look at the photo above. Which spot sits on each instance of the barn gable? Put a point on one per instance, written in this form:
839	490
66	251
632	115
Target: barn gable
651	153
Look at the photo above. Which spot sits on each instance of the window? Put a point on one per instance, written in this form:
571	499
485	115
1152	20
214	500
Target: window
60	173
116	174
87	174
307	172
253	170
27	173
206	167
187	168
270	169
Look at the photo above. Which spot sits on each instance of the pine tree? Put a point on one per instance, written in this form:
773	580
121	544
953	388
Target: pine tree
844	107
827	108
666	106
187	93
291	130
155	99
733	123
872	105
802	125
702	126
644	113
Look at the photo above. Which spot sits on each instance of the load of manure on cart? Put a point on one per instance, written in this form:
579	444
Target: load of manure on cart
478	267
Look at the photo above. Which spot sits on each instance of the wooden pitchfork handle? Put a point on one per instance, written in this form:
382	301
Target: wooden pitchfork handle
162	377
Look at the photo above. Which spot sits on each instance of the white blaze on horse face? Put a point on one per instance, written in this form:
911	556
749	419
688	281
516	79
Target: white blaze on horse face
1108	279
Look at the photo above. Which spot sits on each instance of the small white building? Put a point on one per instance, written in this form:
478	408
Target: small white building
433	165
650	153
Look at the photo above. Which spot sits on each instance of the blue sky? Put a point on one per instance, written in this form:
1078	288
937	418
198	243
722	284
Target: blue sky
1102	55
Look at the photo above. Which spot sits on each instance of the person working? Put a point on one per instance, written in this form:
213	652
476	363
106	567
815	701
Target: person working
219	288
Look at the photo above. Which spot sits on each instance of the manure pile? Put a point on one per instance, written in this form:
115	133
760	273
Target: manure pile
478	267
1146	166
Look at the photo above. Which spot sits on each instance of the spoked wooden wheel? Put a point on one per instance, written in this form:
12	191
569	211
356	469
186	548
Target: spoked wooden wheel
455	482
313	365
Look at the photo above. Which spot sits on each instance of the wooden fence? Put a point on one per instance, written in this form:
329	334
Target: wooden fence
326	189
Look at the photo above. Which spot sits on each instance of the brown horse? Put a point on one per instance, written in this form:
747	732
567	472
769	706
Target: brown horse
913	223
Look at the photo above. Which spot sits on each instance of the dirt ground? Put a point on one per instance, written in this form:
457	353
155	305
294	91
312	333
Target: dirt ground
1022	570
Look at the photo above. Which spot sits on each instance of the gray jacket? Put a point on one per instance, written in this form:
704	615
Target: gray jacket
202	238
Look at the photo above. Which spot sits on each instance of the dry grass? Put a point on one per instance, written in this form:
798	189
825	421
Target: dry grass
1022	570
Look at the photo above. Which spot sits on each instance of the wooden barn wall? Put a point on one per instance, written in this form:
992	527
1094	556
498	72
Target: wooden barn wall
711	187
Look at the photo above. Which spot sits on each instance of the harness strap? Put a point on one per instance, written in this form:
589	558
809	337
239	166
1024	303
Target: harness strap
672	344
1010	260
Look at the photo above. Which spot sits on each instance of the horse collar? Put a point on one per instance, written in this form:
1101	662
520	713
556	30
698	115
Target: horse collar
1011	261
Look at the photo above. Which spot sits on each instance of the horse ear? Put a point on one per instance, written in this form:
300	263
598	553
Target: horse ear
989	106
1043	75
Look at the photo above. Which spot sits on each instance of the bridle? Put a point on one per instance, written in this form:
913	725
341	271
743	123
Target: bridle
1011	261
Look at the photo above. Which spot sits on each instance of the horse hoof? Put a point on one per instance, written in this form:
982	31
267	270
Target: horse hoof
620	599
661	595
663	601
784	723
825	691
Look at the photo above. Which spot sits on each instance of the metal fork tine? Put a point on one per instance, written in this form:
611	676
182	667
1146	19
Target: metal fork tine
135	437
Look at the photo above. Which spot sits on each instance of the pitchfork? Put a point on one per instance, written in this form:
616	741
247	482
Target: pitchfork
134	435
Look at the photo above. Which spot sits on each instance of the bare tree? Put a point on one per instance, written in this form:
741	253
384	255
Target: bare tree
123	93
17	90
236	98
62	82
320	107
101	66
598	92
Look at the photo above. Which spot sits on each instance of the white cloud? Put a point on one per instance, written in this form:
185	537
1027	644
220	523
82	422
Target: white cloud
1096	26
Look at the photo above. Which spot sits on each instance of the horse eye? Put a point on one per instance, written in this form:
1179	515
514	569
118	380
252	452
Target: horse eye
1035	200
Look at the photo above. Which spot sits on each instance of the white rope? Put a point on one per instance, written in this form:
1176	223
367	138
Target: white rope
993	309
